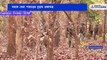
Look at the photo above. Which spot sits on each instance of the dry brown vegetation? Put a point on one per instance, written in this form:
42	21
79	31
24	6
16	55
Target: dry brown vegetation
43	35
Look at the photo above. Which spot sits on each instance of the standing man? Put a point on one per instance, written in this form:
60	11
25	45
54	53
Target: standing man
70	34
96	30
91	30
82	31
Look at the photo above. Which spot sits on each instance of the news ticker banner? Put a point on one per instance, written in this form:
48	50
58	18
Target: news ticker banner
22	9
47	7
56	7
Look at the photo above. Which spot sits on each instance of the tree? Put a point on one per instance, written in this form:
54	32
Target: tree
105	17
15	35
18	37
11	49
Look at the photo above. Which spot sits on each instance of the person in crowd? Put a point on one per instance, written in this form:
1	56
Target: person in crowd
70	34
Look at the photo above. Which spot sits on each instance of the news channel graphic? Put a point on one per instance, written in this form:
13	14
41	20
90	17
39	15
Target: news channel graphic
95	47
98	6
16	13
47	7
5	12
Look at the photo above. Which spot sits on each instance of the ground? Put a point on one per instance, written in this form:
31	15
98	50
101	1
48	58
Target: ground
61	52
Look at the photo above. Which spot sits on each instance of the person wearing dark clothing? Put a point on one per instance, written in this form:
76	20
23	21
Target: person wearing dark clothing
70	35
91	30
96	28
82	31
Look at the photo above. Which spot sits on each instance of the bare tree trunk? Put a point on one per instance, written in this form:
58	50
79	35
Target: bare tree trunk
87	22
76	41
63	25
18	37
11	50
104	31
50	48
15	36
37	35
50	41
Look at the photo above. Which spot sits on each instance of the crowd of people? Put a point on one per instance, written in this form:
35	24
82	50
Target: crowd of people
92	31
